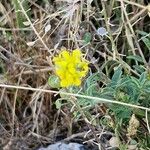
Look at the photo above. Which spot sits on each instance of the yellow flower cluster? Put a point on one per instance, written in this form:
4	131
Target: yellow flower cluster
71	67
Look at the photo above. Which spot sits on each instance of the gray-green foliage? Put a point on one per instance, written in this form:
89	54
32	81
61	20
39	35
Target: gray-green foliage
123	88
127	89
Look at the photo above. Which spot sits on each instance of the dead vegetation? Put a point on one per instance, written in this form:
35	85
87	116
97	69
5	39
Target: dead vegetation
32	33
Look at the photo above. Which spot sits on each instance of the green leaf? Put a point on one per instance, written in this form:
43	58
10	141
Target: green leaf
139	68
117	75
143	78
121	112
87	37
145	38
135	81
146	42
142	33
62	95
135	57
54	81
58	104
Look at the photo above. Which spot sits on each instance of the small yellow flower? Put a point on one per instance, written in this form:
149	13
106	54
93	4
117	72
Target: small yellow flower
71	67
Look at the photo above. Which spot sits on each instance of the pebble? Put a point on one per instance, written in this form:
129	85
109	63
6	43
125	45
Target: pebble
63	146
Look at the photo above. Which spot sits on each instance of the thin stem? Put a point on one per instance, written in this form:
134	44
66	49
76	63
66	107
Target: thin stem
96	99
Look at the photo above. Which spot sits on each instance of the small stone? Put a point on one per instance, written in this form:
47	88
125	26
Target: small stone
63	146
102	31
30	43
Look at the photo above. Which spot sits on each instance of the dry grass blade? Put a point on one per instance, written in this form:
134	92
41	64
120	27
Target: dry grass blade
99	100
32	26
5	17
147	121
132	31
132	3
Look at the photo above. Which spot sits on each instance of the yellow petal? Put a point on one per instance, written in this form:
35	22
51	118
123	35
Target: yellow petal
82	74
65	54
56	59
61	64
77	82
70	67
76	53
60	73
85	67
64	83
